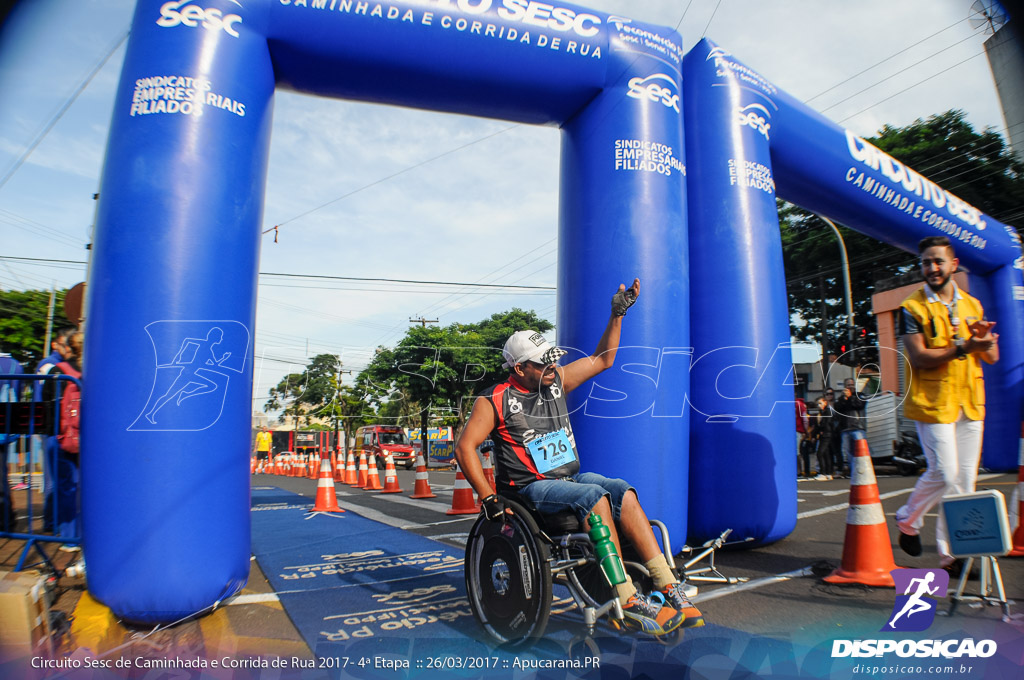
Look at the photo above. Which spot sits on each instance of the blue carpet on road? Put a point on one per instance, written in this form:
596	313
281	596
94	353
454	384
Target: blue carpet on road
369	598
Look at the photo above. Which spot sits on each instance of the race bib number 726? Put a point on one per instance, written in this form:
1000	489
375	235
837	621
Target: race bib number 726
551	451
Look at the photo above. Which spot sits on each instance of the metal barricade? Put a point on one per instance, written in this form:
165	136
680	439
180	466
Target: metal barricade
20	423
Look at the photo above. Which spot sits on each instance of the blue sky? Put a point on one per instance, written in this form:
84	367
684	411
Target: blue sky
368	191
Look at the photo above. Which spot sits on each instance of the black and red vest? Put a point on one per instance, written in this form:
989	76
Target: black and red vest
522	417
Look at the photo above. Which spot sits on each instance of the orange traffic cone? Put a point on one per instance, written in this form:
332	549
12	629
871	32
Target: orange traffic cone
390	476
867	549
287	465
1018	535
351	476
364	475
422	488
462	499
252	465
373	478
326	497
313	464
339	468
489	471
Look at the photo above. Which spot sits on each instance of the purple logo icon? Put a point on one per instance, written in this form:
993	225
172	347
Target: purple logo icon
914	609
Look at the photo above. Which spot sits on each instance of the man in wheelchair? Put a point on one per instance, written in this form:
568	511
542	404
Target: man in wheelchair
526	417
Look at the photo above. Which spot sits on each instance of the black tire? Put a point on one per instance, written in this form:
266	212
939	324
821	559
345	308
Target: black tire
905	469
410	465
508	578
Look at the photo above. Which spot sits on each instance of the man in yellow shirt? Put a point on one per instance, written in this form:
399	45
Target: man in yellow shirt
946	337
263	444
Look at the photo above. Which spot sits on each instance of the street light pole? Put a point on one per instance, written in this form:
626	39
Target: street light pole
846	281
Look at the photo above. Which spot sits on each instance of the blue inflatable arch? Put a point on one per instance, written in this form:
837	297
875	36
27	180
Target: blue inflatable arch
173	281
744	136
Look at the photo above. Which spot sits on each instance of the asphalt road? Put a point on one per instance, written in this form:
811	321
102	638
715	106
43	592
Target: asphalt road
784	598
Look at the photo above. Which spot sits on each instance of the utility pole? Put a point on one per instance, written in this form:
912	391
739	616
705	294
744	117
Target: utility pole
425	411
825	360
846	280
337	396
49	319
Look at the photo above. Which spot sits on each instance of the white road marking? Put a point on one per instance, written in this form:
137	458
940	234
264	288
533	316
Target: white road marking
844	506
454	538
253	598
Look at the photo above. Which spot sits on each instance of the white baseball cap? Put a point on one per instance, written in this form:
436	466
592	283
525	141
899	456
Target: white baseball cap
529	346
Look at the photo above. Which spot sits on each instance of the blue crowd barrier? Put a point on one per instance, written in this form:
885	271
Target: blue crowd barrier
20	422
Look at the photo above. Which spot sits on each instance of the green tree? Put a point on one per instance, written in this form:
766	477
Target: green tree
319	398
23	316
286	397
433	372
977	167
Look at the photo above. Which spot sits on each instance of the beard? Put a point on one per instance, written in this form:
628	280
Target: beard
942	281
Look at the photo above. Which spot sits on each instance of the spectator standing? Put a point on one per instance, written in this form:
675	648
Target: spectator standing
263	438
803	427
849	408
9	391
822	425
63	506
58	351
946	338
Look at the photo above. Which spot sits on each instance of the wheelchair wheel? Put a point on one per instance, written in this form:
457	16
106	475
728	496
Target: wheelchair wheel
508	578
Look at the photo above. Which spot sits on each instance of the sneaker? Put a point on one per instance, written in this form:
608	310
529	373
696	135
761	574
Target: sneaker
675	597
70	548
645	615
910	544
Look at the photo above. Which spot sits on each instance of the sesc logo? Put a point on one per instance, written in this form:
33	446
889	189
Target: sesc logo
192	15
756	117
645	90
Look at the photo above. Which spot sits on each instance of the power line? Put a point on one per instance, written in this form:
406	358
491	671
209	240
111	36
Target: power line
898	73
708	25
904	91
461	284
391	176
877	64
381	280
60	113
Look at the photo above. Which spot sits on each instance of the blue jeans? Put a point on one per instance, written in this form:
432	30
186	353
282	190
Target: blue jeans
550	496
849	436
61	506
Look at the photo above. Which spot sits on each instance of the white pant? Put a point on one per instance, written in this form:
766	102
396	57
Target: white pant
953	451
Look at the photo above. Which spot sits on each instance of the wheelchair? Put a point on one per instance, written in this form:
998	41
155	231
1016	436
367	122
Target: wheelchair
512	564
